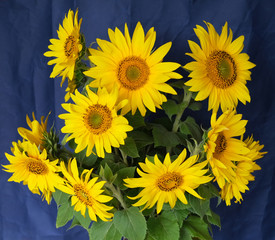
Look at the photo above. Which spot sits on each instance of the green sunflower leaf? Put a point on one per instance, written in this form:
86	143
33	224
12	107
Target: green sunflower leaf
84	221
130	148
60	197
163	137
65	213
199	206
214	219
127	172
197	228
163	227
171	108
190	127
101	230
130	223
136	120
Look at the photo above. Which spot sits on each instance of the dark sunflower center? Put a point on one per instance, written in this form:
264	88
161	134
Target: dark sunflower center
98	119
82	194
169	181
221	69
133	73
221	143
70	46
37	167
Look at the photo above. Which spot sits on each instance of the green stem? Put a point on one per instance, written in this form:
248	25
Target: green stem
116	193
184	104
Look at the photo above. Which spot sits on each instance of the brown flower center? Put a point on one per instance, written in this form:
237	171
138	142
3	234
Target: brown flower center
169	181
70	47
98	119
221	144
221	69
37	167
83	195
133	73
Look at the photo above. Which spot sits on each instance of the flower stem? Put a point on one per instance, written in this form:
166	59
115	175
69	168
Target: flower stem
116	193
183	105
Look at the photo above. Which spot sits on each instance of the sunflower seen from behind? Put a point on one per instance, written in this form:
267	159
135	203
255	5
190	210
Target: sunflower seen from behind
133	66
93	121
223	147
168	181
243	171
220	71
66	50
30	166
86	193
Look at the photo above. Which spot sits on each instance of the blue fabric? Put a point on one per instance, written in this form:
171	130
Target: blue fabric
25	30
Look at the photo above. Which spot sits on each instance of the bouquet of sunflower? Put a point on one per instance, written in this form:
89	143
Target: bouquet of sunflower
132	163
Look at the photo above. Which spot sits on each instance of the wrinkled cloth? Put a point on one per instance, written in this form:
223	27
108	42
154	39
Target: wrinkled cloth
25	30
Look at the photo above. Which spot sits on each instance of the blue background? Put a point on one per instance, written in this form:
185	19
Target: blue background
25	30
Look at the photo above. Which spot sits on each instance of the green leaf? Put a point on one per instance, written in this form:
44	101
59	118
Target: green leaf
163	137
108	174
75	222
131	223
136	120
127	172
197	228
181	215
64	214
185	234
190	127
199	206
214	219
60	197
170	107
104	231
84	221
195	106
163	227
130	148
141	138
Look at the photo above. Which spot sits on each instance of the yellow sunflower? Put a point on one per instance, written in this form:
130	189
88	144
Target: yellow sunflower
223	148
35	135
86	193
167	182
243	173
67	48
33	168
220	70
93	121
131	65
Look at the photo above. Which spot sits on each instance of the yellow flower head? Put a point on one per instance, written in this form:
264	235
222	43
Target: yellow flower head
35	135
86	193
243	172
132	65
33	168
93	121
167	182
223	148
67	48
220	70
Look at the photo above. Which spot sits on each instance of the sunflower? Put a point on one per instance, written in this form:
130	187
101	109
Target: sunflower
223	149
167	182
33	168
67	48
131	65
86	193
220	70
93	121
243	173
35	135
